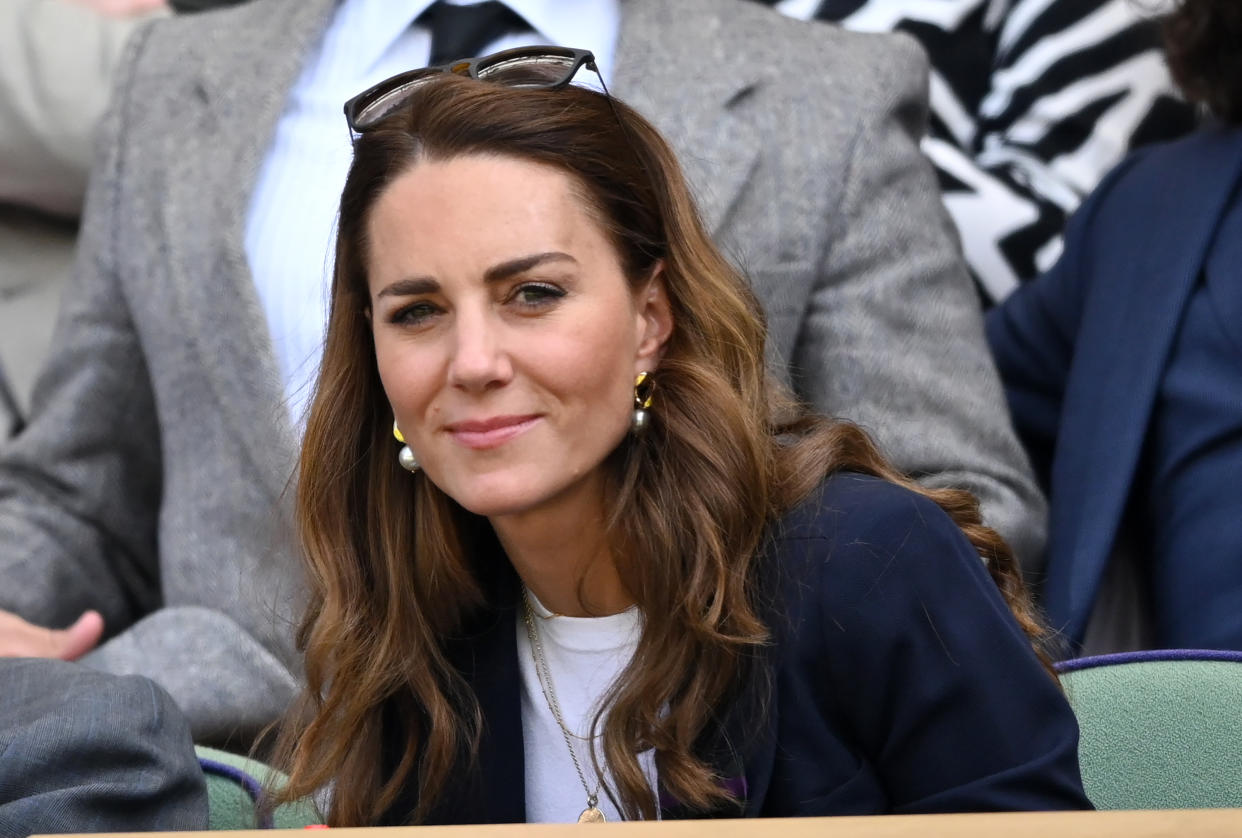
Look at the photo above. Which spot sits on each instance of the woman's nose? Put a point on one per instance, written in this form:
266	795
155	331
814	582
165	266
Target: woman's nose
478	360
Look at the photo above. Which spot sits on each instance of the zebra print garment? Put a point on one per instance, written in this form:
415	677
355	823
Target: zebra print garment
1032	102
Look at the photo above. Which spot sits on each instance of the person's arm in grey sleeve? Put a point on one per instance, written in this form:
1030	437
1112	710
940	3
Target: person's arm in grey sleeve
87	752
81	493
915	371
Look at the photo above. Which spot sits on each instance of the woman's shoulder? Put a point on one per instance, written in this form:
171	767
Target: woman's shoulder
869	569
859	537
849	506
891	637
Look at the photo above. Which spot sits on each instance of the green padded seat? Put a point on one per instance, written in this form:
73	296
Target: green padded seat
234	784
1159	730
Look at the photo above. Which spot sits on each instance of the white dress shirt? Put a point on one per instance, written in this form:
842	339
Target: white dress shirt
291	221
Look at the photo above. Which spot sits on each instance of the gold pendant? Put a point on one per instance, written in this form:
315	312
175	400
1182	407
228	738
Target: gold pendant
591	815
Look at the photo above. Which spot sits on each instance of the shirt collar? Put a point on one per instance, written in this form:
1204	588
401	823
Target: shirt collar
375	25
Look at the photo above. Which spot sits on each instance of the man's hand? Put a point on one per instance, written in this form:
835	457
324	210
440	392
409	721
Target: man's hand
20	639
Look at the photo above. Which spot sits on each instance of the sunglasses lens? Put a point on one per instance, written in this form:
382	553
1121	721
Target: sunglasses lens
385	103
542	70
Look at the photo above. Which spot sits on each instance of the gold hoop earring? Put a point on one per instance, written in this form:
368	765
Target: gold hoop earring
644	395
405	456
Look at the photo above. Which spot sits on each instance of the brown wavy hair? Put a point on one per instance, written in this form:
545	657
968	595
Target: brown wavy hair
388	555
1203	42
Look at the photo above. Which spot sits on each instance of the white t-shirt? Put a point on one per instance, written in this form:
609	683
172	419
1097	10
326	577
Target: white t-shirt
584	656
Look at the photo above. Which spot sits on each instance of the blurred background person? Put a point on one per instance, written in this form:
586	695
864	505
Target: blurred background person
1123	367
1032	102
56	60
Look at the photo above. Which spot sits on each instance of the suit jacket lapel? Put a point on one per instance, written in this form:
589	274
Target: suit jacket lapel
1133	308
677	65
231	111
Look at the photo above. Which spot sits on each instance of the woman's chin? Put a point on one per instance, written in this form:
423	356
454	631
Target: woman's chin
514	492
493	501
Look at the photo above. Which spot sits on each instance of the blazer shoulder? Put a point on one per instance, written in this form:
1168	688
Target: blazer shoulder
1162	200
183	46
811	43
1182	172
848	506
857	533
1185	172
841	63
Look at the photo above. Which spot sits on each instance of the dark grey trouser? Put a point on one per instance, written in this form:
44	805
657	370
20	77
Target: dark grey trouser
83	751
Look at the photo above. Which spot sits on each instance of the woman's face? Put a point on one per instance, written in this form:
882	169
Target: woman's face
506	335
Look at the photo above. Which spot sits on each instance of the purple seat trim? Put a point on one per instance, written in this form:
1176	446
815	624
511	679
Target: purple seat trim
248	783
1118	658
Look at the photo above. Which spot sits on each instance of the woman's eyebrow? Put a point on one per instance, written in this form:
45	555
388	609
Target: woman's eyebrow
524	263
410	287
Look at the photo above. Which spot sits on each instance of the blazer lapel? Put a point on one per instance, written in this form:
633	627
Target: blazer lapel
1136	302
678	67
742	746
742	751
231	112
486	656
501	795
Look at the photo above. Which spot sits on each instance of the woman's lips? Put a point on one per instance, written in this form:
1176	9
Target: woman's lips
490	433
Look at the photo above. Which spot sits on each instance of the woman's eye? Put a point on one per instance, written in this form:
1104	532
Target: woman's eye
414	313
536	294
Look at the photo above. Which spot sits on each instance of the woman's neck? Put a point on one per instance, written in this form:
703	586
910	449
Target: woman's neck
562	555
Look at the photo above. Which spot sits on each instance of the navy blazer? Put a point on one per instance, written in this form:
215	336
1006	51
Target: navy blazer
901	682
1122	368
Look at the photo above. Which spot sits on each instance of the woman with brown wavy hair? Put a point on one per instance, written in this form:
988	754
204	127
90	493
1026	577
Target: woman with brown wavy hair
607	569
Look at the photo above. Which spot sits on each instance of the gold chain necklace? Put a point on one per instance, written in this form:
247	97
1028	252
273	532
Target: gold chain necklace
591	814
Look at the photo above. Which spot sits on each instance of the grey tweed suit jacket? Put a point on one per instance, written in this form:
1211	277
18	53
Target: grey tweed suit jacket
152	482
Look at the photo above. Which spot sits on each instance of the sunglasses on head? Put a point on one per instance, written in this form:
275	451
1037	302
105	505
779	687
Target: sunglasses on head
547	67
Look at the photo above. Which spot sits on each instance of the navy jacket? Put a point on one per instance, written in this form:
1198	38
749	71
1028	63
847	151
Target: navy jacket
901	681
1123	369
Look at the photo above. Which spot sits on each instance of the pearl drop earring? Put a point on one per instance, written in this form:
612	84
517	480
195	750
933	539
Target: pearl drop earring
644	395
405	456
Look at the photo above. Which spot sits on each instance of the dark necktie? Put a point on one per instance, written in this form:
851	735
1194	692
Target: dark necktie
463	31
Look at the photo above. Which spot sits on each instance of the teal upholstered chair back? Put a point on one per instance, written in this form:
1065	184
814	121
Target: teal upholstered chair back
1159	730
234	786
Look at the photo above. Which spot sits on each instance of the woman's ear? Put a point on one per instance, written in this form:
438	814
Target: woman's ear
655	321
